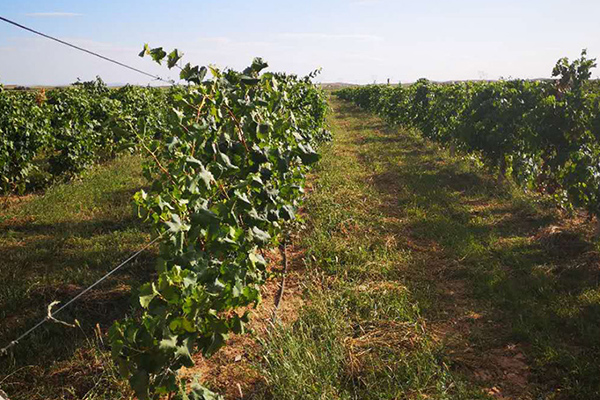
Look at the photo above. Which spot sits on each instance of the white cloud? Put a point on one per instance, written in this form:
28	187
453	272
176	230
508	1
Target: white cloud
53	14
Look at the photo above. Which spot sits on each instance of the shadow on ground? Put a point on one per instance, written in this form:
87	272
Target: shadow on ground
51	251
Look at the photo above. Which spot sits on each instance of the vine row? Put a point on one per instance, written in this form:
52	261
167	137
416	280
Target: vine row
544	133
227	172
52	135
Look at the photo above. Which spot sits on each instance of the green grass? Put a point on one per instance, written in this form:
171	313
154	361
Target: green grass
357	343
53	246
362	335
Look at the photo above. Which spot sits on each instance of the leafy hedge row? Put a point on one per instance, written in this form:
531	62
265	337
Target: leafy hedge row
56	134
546	134
228	173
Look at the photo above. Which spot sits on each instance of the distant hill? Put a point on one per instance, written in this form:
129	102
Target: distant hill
337	85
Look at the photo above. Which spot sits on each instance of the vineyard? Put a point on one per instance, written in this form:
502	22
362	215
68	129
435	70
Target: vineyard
544	134
439	240
227	159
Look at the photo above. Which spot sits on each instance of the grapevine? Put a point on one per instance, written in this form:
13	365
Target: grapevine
227	173
545	134
53	135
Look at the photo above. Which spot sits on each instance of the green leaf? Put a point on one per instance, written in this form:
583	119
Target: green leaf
182	324
260	235
194	161
217	341
139	383
243	198
169	344
158	54
248	80
308	155
287	212
145	50
184	354
206	176
238	326
199	392
175	224
173	58
258	64
205	217
227	162
263	130
256	259
237	288
147	294
193	74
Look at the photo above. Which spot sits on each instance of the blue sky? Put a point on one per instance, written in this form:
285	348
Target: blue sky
357	41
